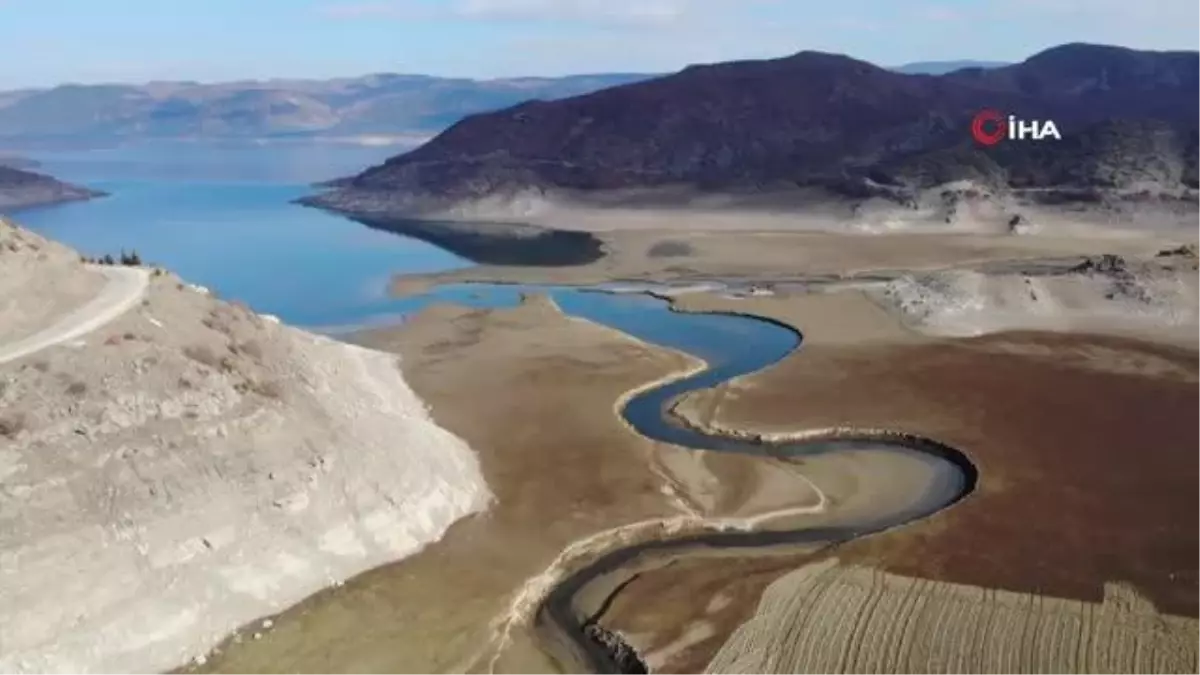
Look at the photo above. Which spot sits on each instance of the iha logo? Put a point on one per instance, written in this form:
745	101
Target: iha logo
991	126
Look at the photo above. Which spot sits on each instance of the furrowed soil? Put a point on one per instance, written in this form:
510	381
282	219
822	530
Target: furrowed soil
855	619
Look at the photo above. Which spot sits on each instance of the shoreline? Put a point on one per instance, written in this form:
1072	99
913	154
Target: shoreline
486	243
19	206
795	258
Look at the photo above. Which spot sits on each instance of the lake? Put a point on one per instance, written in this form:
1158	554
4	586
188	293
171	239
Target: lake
220	216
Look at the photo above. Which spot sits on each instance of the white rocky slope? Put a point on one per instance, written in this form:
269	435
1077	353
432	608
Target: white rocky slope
1155	299
190	467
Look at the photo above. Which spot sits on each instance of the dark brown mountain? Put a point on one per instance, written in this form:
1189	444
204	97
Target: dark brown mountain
21	189
814	119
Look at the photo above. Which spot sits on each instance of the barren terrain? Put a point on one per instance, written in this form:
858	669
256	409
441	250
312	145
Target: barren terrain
496	378
530	390
151	412
673	247
856	619
173	466
1085	446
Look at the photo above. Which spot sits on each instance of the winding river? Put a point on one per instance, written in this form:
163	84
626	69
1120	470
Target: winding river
213	228
715	338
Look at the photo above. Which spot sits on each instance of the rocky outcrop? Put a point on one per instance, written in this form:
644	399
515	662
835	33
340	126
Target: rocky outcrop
624	657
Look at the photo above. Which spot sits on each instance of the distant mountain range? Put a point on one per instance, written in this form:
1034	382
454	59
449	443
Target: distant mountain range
943	67
374	105
814	120
382	105
18	162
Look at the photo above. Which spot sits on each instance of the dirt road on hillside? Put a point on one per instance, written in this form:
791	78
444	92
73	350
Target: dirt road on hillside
125	288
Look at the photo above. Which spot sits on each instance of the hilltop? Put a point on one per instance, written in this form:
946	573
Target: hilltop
788	132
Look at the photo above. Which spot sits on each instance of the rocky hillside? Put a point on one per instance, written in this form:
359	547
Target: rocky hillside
1128	120
22	189
188	466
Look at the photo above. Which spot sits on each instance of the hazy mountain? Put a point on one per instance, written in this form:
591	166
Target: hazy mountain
18	162
384	104
943	67
815	119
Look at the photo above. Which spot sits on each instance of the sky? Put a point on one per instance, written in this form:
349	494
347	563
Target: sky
49	42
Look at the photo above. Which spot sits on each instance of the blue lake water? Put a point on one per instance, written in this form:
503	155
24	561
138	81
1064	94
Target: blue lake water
232	229
220	216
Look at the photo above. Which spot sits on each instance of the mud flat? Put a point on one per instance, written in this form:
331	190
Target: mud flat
1063	504
678	254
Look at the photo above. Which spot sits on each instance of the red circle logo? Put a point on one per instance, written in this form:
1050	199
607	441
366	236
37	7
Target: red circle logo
988	127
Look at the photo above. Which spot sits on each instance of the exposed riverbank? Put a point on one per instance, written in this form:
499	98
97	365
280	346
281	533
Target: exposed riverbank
682	256
1023	405
547	375
594	474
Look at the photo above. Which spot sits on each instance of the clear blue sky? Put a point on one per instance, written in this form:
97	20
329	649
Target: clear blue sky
48	42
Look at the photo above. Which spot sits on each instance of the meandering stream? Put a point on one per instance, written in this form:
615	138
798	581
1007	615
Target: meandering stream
322	271
732	345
